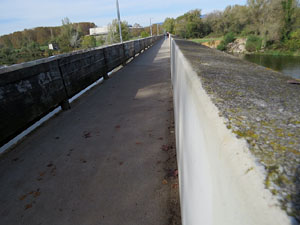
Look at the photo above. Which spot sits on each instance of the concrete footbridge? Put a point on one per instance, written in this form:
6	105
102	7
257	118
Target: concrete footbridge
151	131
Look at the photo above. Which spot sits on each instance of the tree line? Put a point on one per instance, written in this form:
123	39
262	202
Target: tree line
270	23
32	44
41	35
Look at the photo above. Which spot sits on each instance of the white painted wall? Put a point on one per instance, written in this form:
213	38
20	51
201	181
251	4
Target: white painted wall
99	30
216	186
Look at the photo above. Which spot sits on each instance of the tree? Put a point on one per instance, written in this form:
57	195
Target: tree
114	34
214	22
145	34
84	27
190	25
256	11
169	25
88	42
288	7
69	37
99	40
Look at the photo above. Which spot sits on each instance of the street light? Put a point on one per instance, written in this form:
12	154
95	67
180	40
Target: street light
157	29
119	20
150	28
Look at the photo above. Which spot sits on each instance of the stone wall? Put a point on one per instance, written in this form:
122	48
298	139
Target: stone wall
30	90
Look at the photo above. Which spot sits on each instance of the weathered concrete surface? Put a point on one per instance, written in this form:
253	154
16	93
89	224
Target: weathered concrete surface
261	107
109	160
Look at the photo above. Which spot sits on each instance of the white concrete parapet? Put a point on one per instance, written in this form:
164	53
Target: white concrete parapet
220	183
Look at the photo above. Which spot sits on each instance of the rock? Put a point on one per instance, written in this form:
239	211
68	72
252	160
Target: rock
238	46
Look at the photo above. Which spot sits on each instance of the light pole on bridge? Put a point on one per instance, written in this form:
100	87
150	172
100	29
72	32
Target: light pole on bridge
150	27
119	20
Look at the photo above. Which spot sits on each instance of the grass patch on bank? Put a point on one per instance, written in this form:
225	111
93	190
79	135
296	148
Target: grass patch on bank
202	40
276	53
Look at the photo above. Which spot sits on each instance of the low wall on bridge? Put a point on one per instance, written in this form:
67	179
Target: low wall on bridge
30	90
237	136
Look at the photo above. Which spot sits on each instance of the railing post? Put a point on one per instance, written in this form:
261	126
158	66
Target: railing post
105	75
65	105
124	60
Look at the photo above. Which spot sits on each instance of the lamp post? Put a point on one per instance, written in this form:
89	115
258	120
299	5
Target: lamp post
157	29
119	21
150	27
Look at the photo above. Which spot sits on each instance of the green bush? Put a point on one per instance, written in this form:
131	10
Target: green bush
88	42
145	34
221	46
228	38
253	43
293	44
100	41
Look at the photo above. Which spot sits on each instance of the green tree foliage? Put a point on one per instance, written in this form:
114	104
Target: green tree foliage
293	43
288	7
169	25
69	37
272	22
6	56
100	40
88	42
114	33
253	43
221	46
145	34
136	30
228	38
32	44
29	52
41	35
189	25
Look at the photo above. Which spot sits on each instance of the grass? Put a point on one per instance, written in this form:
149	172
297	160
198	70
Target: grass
44	47
278	53
202	40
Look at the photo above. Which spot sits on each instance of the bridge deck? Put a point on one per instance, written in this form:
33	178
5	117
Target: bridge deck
107	161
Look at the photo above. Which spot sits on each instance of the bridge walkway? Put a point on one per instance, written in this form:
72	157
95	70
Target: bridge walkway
109	160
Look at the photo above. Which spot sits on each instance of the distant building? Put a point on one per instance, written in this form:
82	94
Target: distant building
99	31
53	46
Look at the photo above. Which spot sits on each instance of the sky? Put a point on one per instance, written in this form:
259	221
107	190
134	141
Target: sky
17	15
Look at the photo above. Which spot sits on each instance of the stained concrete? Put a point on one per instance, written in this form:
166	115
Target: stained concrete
261	107
108	160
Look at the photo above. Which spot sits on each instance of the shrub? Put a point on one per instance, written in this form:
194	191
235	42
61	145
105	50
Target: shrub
145	34
228	38
88	42
221	46
293	44
253	43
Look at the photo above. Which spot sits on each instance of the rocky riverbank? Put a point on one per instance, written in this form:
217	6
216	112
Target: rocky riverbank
236	47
